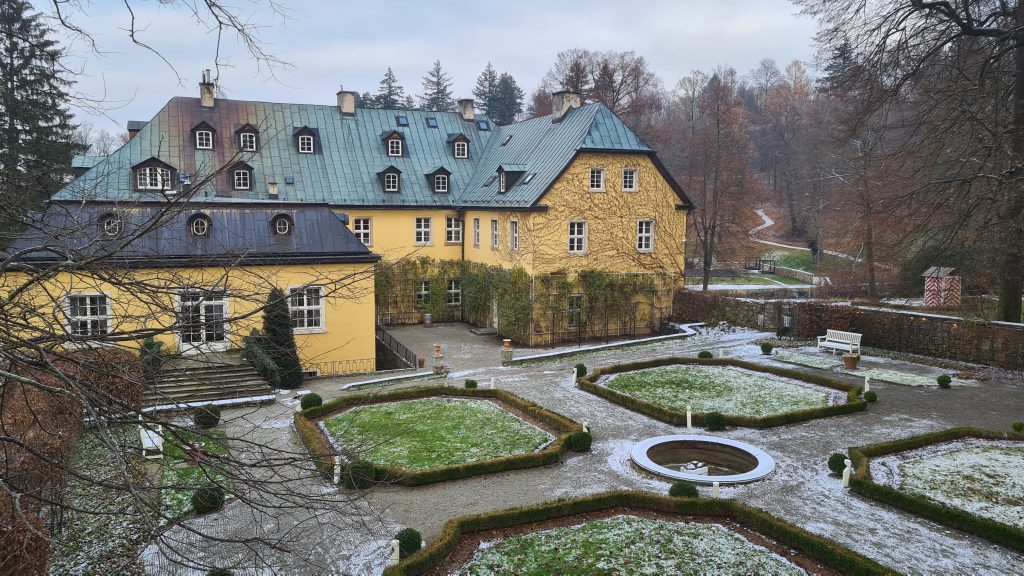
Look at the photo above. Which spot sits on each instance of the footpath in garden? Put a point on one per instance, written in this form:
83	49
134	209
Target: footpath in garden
800	491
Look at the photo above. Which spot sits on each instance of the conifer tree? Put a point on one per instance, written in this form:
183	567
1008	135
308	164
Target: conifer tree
390	95
486	89
280	339
437	90
508	100
36	134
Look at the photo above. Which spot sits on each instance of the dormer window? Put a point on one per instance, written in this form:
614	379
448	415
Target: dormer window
508	175
240	176
153	178
501	182
390	179
461	150
282	225
204	140
439	179
394	147
305	139
441	183
391	182
305	144
199	225
248	138
460	145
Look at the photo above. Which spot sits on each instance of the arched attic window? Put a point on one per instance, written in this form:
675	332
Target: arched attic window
110	225
282	225
199	225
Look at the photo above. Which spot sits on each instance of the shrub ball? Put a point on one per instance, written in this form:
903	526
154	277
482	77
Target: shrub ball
837	463
944	381
219	572
359	474
206	499
581	370
683	489
705	354
871	396
766	348
310	401
714	421
470	383
206	416
579	441
1018	426
409	542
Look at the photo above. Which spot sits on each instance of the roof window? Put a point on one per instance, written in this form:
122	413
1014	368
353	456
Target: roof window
483	125
507	139
529	177
431	122
402	120
491	180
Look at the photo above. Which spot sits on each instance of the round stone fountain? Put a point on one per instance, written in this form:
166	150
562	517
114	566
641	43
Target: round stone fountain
702	459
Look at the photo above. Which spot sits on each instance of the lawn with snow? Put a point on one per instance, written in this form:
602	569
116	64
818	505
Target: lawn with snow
902	378
809	360
178	480
433	432
628	545
983	478
725	389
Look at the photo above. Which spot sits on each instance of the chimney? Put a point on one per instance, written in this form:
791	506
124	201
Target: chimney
134	127
272	190
562	102
346	102
467	109
206	90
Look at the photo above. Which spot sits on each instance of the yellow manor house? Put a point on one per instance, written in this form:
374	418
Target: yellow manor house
562	227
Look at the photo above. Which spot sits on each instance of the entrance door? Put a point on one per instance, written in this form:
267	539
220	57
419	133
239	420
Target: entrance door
202	321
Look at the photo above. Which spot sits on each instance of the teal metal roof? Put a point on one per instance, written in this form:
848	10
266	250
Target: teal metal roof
85	161
350	154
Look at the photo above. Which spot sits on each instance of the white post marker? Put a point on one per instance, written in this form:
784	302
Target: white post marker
689	418
715	490
586	427
394	553
337	469
492	383
867	383
572	378
846	473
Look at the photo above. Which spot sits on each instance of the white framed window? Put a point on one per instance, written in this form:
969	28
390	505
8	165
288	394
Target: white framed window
574	311
461	150
153	178
395	147
363	229
87	314
282	225
645	235
494	235
452	230
423	294
202	317
391	182
501	182
422	235
440	183
242	180
306	305
597	179
111	225
199	226
204	140
577	237
513	235
476	232
629	183
247	141
454	292
305	144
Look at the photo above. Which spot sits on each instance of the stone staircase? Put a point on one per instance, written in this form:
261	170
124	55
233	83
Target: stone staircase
204	380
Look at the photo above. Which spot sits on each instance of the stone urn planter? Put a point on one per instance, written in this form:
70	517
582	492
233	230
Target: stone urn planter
850	361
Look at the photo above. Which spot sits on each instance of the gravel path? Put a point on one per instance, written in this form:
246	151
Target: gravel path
799	491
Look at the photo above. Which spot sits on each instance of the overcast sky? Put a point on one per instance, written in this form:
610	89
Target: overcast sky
329	43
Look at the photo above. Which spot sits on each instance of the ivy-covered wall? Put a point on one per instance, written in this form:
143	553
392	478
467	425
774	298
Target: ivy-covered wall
531	310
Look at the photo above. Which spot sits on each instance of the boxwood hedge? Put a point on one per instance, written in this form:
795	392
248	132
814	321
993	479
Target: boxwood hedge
853	401
318	445
815	547
861	483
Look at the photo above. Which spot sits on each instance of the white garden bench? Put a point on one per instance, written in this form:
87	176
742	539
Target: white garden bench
839	340
152	441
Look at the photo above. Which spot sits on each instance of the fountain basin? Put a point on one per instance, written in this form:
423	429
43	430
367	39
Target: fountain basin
702	459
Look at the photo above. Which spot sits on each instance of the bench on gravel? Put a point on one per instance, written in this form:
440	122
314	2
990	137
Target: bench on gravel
839	340
152	439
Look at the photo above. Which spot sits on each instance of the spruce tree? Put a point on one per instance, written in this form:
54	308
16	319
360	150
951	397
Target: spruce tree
36	134
486	89
508	100
279	339
390	96
437	90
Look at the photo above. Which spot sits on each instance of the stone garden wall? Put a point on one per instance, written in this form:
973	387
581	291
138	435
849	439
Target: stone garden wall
994	343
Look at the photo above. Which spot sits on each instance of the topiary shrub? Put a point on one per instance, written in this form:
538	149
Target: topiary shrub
944	381
219	572
310	401
837	463
206	416
683	489
208	498
470	383
766	348
152	359
714	421
581	370
409	542
579	441
1018	426
358	474
279	339
705	354
871	396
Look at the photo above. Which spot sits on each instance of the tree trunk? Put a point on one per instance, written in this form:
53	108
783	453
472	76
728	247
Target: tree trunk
1011	265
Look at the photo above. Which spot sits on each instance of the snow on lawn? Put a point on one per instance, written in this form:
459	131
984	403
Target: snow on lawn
979	476
179	480
811	361
433	432
725	389
903	378
628	545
